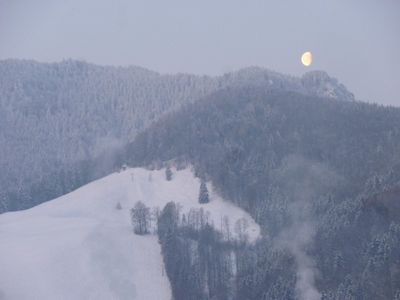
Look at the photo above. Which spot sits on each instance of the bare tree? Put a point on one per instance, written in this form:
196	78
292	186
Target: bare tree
141	218
241	227
225	228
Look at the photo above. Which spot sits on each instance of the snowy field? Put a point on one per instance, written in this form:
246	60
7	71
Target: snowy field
79	246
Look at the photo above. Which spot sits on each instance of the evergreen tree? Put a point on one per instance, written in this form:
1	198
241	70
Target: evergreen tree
168	173
203	194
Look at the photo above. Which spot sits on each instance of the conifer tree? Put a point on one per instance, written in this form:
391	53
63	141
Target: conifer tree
168	173
203	194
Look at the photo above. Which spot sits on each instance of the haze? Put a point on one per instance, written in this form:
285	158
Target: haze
356	41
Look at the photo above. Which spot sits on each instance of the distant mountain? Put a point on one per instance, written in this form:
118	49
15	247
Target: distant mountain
56	117
319	83
313	83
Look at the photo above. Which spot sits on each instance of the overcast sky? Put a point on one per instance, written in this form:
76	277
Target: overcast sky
356	41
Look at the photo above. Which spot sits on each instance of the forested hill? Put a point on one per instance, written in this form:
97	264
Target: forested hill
322	178
253	130
55	117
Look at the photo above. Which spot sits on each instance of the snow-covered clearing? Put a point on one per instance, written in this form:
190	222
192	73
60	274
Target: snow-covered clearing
79	246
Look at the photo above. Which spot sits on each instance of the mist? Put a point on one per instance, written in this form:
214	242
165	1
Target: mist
304	181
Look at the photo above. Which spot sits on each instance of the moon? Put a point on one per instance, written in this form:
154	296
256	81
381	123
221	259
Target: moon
306	58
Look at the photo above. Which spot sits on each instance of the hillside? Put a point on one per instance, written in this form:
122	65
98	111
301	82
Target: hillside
54	118
321	177
80	246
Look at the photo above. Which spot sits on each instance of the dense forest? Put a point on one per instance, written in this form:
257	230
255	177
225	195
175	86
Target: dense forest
57	117
322	177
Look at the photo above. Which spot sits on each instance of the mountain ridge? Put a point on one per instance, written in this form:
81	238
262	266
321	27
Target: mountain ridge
54	116
320	176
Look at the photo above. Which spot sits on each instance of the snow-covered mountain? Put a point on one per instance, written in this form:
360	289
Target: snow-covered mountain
54	117
320	84
313	83
80	246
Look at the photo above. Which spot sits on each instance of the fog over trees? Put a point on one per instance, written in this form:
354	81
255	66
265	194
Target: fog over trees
321	176
317	170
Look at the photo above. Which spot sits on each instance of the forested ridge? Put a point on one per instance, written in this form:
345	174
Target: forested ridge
57	117
321	177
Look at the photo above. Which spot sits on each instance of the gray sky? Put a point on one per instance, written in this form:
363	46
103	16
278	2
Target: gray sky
357	41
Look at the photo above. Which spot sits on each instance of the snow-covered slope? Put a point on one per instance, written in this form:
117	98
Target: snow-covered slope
79	246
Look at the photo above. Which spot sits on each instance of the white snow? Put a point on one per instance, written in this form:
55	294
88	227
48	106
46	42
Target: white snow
79	246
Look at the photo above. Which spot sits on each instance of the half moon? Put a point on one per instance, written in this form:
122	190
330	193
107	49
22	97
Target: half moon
306	58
